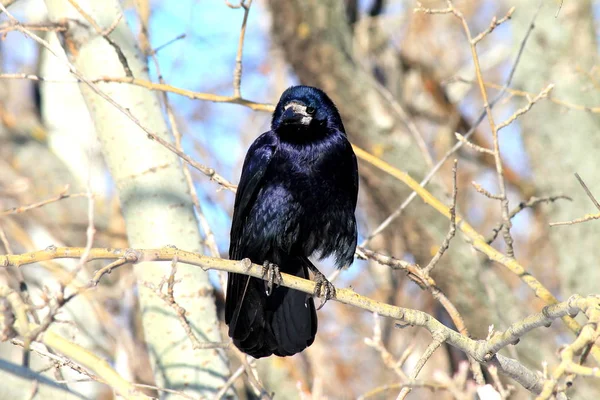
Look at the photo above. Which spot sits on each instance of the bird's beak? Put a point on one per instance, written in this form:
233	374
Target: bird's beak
295	114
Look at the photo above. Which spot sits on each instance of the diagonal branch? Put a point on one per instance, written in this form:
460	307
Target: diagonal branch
474	237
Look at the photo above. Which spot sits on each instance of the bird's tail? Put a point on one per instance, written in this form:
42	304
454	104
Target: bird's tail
283	323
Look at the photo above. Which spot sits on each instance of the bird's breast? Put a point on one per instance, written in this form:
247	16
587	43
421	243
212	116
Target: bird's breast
304	205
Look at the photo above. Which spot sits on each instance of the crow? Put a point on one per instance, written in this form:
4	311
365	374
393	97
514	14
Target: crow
296	198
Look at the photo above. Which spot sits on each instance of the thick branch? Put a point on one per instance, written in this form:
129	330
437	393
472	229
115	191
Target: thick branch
481	351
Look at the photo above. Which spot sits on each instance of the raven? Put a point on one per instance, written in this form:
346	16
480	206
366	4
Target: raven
296	197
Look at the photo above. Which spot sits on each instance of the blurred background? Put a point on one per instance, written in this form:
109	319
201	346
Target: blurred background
404	82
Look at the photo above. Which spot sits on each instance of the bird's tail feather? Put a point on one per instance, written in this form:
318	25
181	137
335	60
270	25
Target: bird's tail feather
283	323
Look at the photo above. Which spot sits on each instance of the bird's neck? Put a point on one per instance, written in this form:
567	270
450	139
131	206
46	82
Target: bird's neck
301	134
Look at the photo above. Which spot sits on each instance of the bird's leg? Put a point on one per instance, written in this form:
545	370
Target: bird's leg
323	288
271	271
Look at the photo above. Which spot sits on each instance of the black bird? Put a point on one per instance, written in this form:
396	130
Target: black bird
296	197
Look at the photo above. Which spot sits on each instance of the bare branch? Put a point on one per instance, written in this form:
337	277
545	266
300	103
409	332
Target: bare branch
587	191
532	202
237	73
542	95
234	377
493	25
587	217
467	135
472	145
160	87
62	195
438	340
476	240
479	350
451	231
485	192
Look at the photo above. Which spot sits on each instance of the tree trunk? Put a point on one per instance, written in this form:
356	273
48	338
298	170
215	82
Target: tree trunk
560	142
155	201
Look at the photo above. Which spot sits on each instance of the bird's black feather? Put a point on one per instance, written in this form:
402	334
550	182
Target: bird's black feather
296	197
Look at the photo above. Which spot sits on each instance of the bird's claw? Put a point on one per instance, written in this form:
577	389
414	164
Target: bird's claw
323	289
271	272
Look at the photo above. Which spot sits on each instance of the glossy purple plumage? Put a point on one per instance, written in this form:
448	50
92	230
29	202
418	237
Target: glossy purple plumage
296	198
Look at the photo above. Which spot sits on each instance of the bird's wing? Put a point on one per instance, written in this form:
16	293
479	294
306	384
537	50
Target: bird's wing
348	181
354	171
349	166
256	163
257	160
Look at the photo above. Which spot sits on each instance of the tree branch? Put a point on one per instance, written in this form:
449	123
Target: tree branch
483	351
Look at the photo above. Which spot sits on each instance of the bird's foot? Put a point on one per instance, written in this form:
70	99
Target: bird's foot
271	272
323	288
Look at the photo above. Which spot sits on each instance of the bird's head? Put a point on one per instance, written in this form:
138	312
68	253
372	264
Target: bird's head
305	110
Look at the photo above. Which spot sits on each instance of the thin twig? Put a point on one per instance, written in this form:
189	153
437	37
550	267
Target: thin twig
532	202
438	339
494	128
486	193
472	145
542	95
86	16
61	361
43	27
252	374
587	217
387	358
451	232
412	127
587	191
4	241
7	3
169	299
504	392
238	372
559	8
494	24
105	34
62	195
525	94
108	269
237	72
265	107
91	229
168	43
512	335
395	386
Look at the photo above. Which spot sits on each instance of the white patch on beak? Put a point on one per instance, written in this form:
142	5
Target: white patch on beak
300	110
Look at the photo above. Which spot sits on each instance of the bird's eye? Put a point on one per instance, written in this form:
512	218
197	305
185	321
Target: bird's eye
310	110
